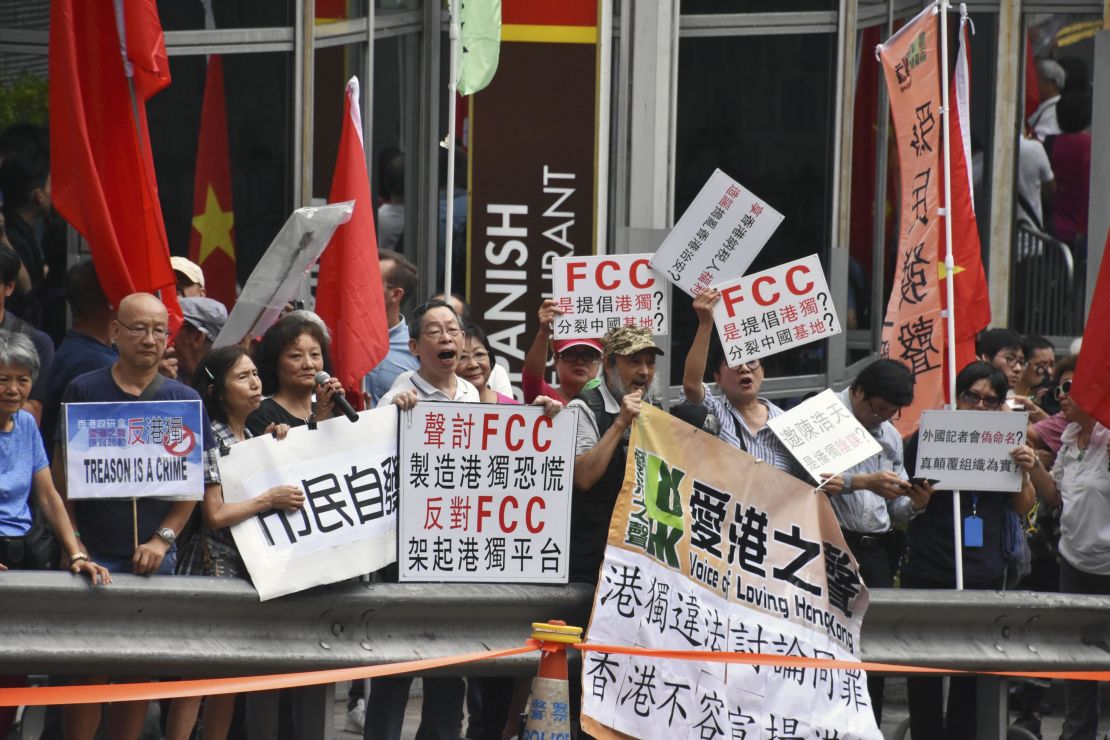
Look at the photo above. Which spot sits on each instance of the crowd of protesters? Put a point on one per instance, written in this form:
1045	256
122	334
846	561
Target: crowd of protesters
1050	535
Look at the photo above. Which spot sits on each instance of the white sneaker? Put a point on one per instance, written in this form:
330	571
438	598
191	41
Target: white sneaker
356	717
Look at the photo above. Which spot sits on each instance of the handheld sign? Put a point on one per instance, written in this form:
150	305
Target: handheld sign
600	293
717	237
766	312
137	449
348	524
824	435
486	492
970	450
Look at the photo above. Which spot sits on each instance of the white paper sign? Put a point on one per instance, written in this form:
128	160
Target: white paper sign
282	270
970	450
600	293
486	491
717	237
774	310
348	525
824	435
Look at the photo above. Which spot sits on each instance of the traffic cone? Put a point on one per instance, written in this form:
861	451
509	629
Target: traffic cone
548	715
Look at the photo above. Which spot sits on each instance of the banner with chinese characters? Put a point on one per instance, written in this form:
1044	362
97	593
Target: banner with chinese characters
486	493
766	312
137	449
718	236
913	331
348	524
824	435
970	450
600	293
711	550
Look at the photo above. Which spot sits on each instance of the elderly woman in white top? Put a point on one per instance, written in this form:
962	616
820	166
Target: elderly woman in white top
1080	483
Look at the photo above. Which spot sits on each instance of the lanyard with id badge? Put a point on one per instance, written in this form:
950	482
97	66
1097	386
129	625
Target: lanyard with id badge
973	525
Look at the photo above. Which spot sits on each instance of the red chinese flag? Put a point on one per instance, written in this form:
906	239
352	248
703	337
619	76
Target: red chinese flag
212	240
1091	388
349	295
102	172
972	297
1032	92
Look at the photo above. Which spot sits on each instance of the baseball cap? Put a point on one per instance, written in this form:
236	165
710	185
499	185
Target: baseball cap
189	269
204	314
628	340
562	345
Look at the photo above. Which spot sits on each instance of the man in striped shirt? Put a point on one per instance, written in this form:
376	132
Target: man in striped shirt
741	414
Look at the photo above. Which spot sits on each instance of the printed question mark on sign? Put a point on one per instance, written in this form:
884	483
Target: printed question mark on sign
1021	437
658	309
828	318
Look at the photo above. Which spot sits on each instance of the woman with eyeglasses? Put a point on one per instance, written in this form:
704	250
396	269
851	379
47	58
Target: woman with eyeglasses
577	361
1080	483
930	558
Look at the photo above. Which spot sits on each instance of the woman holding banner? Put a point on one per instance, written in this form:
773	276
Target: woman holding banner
1080	483
930	558
228	383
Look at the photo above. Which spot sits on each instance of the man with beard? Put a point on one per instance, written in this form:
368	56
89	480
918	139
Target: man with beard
608	407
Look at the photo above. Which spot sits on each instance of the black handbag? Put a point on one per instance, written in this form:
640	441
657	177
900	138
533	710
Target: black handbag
36	550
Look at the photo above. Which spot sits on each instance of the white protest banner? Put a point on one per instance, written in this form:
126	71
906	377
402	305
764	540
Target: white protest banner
348	524
970	450
136	449
600	293
770	311
282	270
717	237
485	493
824	435
710	550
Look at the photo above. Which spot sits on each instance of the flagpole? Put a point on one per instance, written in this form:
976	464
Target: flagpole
452	87
949	266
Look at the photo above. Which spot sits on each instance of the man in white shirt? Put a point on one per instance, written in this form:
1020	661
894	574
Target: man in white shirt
1050	81
1034	172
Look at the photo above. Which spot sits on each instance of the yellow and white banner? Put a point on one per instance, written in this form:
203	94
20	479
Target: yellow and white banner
710	549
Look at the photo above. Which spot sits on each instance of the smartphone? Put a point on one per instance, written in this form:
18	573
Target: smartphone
920	481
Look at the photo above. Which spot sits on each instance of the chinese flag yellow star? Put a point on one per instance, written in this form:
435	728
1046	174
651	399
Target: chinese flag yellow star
942	272
214	226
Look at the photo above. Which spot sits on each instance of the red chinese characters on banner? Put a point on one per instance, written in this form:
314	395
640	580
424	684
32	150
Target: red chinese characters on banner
913	331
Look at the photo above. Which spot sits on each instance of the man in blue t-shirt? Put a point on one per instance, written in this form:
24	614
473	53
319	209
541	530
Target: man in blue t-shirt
108	529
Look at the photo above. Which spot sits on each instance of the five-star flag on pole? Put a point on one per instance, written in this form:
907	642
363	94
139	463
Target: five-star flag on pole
212	240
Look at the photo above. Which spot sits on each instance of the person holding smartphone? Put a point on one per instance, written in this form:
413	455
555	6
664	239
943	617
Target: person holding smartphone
930	556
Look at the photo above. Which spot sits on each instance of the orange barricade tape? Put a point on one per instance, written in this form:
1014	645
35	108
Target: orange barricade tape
95	694
792	661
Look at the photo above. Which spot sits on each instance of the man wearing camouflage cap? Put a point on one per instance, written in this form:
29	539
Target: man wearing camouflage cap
607	407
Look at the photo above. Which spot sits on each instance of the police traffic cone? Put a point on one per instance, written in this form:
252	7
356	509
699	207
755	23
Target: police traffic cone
548	714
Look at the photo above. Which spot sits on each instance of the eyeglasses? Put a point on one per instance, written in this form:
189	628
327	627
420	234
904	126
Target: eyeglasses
1014	361
882	414
159	333
435	332
752	365
1064	389
1042	368
971	398
479	356
585	356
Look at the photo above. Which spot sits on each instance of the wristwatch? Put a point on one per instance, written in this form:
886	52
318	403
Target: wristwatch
167	534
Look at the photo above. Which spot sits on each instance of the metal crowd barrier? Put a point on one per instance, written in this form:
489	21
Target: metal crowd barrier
1045	294
192	626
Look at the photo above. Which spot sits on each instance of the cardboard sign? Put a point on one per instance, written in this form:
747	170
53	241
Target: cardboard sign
717	237
600	293
766	312
970	450
486	492
710	550
348	524
824	435
137	449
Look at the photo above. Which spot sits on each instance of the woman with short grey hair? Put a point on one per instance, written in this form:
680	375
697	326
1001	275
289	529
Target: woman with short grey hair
24	470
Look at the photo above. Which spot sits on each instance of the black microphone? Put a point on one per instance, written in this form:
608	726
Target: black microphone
342	403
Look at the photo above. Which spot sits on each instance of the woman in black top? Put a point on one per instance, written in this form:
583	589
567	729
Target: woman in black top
930	558
288	358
